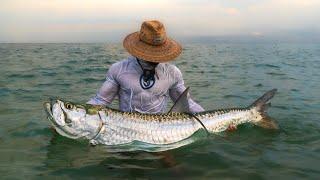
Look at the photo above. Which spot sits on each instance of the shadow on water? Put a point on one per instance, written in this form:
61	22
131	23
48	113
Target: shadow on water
77	159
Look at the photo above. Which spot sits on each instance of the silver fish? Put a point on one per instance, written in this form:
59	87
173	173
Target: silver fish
102	125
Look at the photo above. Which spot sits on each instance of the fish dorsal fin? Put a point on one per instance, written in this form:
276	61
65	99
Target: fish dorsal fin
181	104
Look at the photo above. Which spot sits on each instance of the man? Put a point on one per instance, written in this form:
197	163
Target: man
144	81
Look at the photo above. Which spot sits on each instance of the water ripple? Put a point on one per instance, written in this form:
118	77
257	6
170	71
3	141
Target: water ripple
220	75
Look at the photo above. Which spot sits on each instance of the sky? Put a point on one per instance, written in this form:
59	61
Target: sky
111	21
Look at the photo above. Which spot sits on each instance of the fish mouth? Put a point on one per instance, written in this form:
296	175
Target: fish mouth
48	108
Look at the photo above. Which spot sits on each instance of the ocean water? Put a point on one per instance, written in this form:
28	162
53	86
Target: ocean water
219	75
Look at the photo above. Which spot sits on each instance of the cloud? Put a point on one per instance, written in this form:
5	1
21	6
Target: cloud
232	11
257	34
86	20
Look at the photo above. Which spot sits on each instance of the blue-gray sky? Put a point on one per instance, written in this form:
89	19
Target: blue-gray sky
106	20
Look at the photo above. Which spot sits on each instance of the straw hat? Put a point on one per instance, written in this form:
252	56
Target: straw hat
152	44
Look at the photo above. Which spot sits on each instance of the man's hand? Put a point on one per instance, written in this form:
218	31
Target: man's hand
232	127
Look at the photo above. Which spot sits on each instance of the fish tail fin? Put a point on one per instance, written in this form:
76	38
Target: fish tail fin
261	106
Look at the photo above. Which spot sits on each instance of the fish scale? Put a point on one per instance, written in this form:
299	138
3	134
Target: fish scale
112	127
175	129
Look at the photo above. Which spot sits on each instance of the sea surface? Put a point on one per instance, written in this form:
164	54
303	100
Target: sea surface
219	75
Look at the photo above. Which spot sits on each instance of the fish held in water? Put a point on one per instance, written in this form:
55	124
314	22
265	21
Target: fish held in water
102	125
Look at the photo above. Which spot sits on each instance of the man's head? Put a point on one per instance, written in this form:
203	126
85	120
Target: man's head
152	44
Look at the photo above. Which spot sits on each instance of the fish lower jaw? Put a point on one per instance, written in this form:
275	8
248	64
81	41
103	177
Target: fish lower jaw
47	107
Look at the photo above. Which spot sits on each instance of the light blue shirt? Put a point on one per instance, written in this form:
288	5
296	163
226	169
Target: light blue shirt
123	80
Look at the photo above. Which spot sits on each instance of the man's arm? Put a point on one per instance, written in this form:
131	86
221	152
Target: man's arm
177	89
109	88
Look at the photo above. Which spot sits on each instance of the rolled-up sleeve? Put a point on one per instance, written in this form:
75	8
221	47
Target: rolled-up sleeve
178	88
109	88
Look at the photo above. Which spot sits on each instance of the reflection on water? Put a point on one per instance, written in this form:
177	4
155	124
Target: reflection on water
220	76
66	155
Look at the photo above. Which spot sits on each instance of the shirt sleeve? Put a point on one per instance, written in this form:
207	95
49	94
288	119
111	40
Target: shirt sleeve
178	88
109	88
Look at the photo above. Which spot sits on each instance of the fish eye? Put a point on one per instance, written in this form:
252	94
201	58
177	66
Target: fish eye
69	106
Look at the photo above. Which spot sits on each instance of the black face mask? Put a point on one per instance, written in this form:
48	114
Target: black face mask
147	79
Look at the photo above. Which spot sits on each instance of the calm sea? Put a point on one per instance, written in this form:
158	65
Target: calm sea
220	75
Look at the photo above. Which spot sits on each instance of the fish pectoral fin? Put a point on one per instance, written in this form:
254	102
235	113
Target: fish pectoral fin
182	103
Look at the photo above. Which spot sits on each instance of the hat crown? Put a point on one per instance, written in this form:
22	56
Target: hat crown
153	33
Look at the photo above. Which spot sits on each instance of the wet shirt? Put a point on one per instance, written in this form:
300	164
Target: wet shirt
123	80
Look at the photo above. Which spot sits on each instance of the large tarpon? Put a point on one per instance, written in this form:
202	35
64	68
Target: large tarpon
102	125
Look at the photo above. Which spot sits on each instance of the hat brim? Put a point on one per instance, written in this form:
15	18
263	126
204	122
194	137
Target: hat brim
168	51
